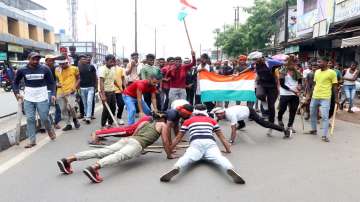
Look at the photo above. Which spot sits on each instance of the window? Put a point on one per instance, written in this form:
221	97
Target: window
32	32
310	5
47	37
13	27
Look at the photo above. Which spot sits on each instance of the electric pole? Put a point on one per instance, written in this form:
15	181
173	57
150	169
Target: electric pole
155	43
136	50
237	17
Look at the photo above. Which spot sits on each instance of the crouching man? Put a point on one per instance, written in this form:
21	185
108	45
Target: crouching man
202	145
126	148
239	114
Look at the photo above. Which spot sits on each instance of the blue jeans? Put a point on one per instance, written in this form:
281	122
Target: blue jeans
57	113
350	91
324	109
87	96
130	104
30	110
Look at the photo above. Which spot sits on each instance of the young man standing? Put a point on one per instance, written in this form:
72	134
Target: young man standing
68	82
125	149
107	89
38	79
325	80
133	95
132	69
88	84
203	66
203	145
177	76
147	70
165	83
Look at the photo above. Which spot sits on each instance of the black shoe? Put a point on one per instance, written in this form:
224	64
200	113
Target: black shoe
87	121
92	174
236	177
287	133
76	123
67	127
42	130
311	132
325	139
64	166
167	177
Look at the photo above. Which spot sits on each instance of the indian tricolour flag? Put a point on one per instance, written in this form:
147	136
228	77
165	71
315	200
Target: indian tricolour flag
214	87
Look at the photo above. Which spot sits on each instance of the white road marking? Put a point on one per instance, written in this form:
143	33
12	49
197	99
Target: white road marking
27	152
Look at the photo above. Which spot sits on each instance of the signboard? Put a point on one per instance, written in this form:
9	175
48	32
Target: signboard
347	9
15	48
292	49
306	21
3	56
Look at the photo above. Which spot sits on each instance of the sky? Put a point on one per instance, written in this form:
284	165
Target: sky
115	18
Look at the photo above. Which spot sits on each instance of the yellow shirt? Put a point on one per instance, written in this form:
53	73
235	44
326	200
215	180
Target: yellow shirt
67	79
108	74
324	81
119	75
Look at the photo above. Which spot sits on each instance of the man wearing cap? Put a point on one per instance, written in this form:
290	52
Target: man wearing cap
242	64
88	83
38	80
133	95
238	114
50	63
68	82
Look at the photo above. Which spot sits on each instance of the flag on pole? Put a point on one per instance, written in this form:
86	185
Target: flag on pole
214	87
182	14
185	3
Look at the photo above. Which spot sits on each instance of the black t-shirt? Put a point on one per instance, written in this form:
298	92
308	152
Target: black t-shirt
75	58
87	76
173	115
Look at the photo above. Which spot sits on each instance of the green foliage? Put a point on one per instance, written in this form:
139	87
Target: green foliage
255	33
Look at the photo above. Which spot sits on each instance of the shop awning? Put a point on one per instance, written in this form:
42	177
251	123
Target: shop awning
350	42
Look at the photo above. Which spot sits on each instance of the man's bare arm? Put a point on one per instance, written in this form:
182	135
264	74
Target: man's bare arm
223	141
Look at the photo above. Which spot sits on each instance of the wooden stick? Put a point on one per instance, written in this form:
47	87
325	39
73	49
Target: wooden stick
145	151
187	34
160	146
110	112
333	120
18	123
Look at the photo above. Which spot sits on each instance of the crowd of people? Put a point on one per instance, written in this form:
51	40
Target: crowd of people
162	95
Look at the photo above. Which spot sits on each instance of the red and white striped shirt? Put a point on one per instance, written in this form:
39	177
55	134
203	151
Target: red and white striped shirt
200	127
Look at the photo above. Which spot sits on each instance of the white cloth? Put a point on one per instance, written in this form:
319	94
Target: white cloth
306	72
349	75
35	94
237	113
178	103
291	83
203	149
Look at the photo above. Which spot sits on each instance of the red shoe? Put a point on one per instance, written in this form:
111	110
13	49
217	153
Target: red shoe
92	174
64	166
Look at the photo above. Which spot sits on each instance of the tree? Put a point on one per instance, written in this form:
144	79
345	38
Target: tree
255	33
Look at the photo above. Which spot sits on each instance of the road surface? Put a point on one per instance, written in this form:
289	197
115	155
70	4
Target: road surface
300	169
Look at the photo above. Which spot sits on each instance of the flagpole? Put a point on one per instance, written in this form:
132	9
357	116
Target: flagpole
187	34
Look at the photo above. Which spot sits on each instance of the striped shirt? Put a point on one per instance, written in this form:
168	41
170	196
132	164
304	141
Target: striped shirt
200	127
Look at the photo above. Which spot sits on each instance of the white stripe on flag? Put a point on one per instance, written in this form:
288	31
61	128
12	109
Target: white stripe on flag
208	85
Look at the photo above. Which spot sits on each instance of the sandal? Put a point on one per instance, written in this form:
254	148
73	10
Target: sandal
30	145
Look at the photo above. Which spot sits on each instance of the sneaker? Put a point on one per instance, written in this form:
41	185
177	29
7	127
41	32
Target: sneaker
269	133
311	132
121	122
42	130
92	174
56	126
287	133
87	121
76	123
52	134
64	166
236	177
67	128
30	145
281	123
167	177
325	139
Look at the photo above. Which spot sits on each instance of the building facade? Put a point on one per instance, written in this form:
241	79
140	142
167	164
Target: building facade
22	32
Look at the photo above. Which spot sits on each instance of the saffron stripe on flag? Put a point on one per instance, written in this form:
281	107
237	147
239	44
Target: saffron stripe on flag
221	78
206	85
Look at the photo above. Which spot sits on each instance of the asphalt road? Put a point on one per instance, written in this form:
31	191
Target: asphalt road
300	169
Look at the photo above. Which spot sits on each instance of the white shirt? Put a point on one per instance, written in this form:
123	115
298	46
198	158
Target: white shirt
36	94
237	113
291	83
306	72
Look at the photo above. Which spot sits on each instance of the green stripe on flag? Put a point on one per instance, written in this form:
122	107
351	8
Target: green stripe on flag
228	95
